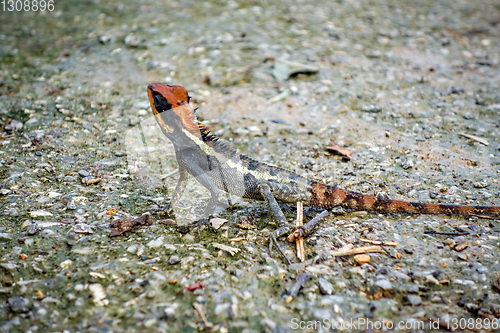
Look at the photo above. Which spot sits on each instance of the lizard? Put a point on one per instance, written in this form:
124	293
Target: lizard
219	167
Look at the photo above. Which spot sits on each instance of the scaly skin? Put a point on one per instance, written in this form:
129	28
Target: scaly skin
218	167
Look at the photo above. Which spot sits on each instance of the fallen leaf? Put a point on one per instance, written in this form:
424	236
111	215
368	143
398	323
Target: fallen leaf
336	149
126	223
248	223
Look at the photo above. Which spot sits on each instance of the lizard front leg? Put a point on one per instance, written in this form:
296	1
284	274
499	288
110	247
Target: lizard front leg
207	182
179	189
283	226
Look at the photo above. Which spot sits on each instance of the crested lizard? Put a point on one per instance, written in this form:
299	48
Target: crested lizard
219	167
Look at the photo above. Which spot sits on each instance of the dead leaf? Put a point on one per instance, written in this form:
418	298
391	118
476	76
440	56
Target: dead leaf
126	223
248	223
336	149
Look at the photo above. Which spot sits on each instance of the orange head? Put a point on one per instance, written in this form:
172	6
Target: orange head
170	105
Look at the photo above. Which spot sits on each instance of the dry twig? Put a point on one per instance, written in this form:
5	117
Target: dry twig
300	233
350	250
300	241
378	242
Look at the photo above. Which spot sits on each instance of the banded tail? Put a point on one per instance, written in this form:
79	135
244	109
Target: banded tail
326	197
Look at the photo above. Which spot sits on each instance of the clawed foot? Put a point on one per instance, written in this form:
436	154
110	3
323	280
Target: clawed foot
163	210
199	223
274	241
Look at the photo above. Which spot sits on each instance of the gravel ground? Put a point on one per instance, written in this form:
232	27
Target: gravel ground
412	88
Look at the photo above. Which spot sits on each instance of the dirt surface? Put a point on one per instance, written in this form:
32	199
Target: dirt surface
412	88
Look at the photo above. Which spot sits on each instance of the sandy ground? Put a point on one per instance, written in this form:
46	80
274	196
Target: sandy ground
410	87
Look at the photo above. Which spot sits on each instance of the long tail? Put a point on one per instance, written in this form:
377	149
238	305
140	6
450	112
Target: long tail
326	197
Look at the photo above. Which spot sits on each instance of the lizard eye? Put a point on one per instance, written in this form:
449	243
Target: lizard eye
157	100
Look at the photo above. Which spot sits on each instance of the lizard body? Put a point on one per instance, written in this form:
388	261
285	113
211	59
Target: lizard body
219	167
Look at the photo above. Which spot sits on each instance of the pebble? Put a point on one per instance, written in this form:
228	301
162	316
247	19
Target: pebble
38	213
5	236
174	260
156	242
19	304
462	245
407	164
82	228
71	204
90	180
362	258
449	242
384	284
414	300
217	222
189	238
15	125
338	210
371	108
325	287
99	295
132	41
84	173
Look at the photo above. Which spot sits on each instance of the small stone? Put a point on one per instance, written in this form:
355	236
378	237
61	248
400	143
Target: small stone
132	248
84	173
119	154
10	266
82	228
189	238
90	180
5	236
430	278
103	39
66	263
71	204
362	258
325	287
414	300
480	184
5	191
174	260
462	256
156	242
371	108
99	295
38	213
217	223
449	242
132	41
19	304
407	164
338	210
462	245
384	284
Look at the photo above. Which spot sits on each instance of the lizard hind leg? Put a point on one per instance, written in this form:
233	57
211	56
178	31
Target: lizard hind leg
284	227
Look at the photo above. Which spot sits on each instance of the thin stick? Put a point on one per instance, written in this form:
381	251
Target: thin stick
486	217
378	242
200	311
308	228
300	241
434	232
475	138
349	250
